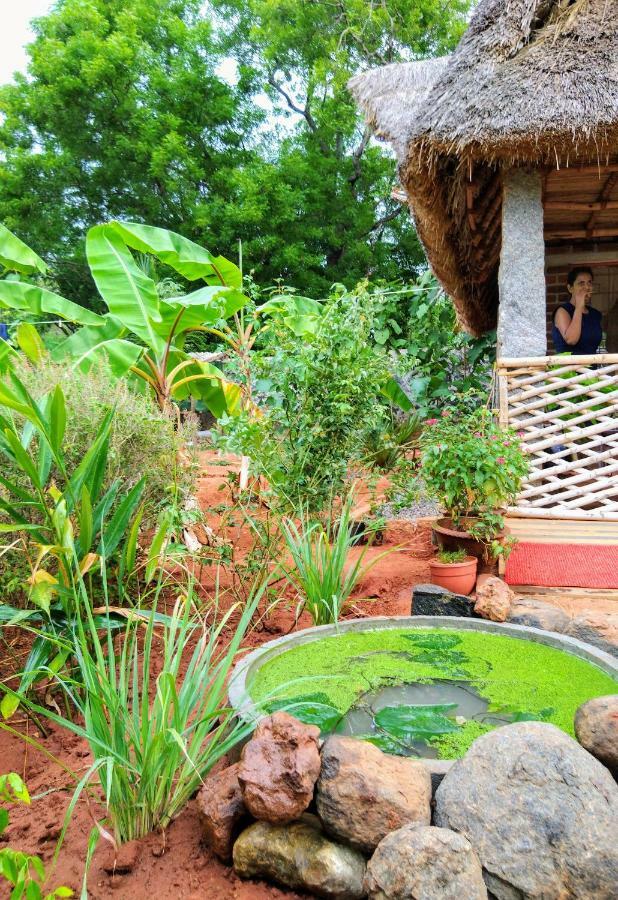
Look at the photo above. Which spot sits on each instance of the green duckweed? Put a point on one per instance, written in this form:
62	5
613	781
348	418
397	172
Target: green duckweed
517	676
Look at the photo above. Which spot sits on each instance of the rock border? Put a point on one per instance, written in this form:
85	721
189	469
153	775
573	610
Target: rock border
247	667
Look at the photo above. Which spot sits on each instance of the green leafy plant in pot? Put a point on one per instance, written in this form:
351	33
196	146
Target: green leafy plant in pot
474	468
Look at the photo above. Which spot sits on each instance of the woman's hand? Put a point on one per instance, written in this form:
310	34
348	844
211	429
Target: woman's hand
579	297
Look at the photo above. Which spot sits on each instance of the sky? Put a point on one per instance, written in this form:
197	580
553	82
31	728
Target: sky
15	16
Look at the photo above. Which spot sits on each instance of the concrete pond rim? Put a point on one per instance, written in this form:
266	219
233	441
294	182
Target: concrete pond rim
250	664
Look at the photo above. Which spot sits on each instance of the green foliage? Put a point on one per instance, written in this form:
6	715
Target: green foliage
439	362
143	334
153	748
319	377
142	438
471	465
321	573
451	556
71	531
124	114
23	872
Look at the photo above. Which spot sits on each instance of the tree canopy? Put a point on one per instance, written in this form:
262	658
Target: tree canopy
127	112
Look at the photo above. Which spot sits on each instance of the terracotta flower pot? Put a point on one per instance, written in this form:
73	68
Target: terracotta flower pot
457	577
448	537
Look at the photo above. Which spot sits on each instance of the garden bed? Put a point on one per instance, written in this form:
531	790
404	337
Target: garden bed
186	868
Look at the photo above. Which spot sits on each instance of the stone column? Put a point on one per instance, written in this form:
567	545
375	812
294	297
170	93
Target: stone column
521	278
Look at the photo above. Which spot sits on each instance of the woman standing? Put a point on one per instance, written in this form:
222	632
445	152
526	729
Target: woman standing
577	325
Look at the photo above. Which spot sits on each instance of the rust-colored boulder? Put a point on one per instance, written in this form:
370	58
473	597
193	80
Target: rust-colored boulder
493	598
364	794
279	767
221	810
596	728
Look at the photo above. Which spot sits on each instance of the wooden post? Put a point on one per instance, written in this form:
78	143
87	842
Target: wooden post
521	278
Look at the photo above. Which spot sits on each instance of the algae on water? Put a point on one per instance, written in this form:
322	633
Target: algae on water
520	679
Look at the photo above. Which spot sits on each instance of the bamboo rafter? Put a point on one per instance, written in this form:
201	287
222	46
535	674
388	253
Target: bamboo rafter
566	412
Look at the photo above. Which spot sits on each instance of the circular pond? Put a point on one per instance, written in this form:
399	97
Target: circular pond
422	686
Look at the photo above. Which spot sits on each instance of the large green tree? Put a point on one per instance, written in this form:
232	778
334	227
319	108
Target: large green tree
122	114
125	114
327	192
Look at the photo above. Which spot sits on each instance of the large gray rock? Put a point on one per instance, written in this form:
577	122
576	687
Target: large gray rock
433	600
299	856
540	811
599	629
279	767
418	863
596	727
536	614
363	793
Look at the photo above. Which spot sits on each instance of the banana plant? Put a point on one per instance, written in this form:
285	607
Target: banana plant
142	334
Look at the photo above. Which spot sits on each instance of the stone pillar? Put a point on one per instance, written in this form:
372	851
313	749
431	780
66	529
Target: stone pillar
521	279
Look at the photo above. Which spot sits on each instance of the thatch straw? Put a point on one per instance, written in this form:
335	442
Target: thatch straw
394	94
532	82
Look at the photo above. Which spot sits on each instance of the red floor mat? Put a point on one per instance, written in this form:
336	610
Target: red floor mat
563	565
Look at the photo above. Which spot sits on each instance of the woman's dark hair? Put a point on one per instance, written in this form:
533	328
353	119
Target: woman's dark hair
578	270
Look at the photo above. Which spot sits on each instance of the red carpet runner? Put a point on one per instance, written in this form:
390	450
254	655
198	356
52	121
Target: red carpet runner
563	565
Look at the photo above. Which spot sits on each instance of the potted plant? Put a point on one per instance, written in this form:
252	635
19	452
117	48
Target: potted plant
454	570
474	468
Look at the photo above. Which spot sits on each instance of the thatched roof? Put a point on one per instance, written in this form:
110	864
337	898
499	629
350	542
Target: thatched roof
531	82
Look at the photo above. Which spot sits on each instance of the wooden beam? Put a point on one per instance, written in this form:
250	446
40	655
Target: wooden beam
535	362
560	234
575	205
603	197
470	206
599	170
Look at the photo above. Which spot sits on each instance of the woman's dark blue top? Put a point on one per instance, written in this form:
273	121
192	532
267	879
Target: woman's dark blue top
590	338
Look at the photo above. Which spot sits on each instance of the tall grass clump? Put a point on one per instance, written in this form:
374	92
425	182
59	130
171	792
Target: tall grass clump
320	571
152	705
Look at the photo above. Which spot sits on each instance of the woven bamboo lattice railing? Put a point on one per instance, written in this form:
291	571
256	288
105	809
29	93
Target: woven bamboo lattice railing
566	410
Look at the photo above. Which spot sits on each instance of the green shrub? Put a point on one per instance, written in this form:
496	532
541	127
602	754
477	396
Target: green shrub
143	440
472	466
319	378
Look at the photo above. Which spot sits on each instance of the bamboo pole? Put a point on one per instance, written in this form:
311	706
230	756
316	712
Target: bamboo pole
534	362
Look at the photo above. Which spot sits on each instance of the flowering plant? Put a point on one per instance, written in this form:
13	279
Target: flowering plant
472	466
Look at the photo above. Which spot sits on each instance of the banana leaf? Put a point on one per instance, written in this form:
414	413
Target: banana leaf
17	256
41	302
129	293
188	259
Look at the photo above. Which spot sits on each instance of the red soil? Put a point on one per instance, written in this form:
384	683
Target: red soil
183	867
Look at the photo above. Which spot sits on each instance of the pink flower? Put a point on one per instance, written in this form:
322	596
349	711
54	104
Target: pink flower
477	434
506	444
501	460
431	421
445	413
493	437
521	434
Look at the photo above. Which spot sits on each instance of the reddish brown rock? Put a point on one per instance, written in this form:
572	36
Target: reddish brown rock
364	794
493	598
279	767
596	727
221	810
